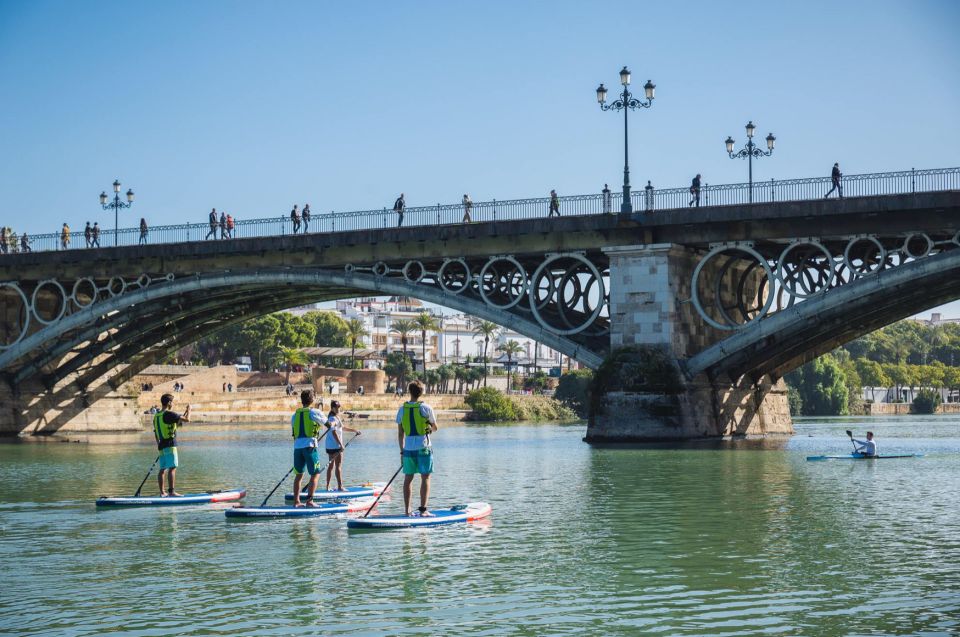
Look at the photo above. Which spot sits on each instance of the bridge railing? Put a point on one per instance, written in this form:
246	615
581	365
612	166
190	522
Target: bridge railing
643	200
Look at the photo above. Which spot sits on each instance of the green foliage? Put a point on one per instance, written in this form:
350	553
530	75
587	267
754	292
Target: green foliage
331	329
541	409
397	367
821	386
794	401
537	382
574	390
926	401
489	404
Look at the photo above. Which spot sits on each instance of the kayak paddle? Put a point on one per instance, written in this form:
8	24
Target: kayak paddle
137	494
849	433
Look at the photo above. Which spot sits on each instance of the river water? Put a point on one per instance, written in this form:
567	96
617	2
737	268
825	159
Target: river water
582	541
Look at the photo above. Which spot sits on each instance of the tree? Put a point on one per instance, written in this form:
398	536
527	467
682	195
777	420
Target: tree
331	329
397	367
510	348
292	356
573	390
259	335
403	327
821	387
486	329
872	374
355	333
425	323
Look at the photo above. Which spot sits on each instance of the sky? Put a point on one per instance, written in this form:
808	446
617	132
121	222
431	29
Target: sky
251	107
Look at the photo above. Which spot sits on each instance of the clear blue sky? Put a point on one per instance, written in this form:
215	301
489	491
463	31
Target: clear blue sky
251	107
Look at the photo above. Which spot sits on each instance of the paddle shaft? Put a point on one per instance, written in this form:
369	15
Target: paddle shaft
137	494
287	475
335	456
384	491
849	433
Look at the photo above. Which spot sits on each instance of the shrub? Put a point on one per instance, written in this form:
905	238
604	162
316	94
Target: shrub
574	390
491	405
541	408
926	401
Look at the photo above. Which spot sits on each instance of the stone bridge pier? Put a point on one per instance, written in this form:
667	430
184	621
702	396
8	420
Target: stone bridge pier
652	306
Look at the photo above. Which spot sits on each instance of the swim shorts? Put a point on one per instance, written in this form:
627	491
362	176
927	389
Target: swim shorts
420	461
168	458
307	458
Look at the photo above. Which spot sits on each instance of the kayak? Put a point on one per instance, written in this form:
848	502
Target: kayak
860	456
461	513
207	497
375	488
327	508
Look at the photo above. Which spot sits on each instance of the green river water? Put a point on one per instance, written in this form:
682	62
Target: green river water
735	540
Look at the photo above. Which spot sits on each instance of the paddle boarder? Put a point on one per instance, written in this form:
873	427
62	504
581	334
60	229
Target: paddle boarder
415	422
306	423
334	444
866	447
165	423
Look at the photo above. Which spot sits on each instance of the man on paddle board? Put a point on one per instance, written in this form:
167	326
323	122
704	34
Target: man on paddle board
415	423
335	444
165	423
866	447
306	423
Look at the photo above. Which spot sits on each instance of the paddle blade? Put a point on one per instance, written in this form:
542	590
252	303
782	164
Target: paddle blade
850	433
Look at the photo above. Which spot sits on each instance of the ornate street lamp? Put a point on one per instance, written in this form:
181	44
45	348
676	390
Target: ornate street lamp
116	204
750	151
625	103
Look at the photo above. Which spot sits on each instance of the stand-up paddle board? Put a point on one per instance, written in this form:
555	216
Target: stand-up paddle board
327	508
860	456
363	491
207	497
461	513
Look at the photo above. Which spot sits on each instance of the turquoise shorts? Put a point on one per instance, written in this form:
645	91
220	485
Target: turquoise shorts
420	461
307	458
168	458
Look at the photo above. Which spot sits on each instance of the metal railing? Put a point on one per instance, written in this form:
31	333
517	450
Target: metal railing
643	200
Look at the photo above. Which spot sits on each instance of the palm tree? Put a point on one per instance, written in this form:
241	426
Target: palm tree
510	348
403	327
292	356
425	322
355	333
485	329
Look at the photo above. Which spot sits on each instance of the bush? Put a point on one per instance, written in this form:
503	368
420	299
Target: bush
541	408
574	390
491	405
926	401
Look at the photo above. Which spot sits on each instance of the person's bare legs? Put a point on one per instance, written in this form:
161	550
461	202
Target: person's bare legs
163	491
329	474
424	492
311	488
296	490
338	464
407	490
171	479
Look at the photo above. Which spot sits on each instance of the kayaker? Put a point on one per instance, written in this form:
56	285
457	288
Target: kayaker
165	423
306	423
415	423
866	447
335	444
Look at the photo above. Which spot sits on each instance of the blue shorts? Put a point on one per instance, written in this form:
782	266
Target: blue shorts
307	458
420	461
168	458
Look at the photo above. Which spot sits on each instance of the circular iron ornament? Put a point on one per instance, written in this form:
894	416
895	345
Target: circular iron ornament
26	314
533	286
77	289
63	301
799	282
919	237
864	246
448	279
169	277
144	280
505	286
381	269
349	268
695	290
741	304
116	286
414	266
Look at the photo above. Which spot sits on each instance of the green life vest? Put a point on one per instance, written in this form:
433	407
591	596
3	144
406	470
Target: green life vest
166	434
413	421
304	426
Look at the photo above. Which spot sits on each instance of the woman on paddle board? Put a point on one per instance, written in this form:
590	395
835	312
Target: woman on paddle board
165	424
415	423
335	444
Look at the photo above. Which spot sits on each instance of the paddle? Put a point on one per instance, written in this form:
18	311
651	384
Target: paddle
384	491
334	457
849	433
287	474
137	494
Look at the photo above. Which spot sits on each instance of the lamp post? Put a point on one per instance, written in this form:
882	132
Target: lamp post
750	151
625	103
116	204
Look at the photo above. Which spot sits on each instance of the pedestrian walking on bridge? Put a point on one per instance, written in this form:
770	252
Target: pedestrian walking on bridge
214	223
65	236
306	217
835	177
467	207
25	243
95	235
554	204
88	235
295	218
398	207
143	231
695	191
607	199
